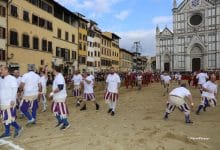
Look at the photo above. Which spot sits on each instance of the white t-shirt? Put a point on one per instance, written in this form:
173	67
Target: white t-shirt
88	88
18	79
59	79
139	77
181	92
166	79
8	90
77	79
31	81
179	77
202	78
161	77
113	80
212	87
43	81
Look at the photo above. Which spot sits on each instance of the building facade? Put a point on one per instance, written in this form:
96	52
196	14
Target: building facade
30	33
125	60
94	42
3	29
106	53
114	49
65	39
194	43
82	42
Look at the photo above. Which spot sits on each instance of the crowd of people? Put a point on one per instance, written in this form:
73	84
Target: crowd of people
23	93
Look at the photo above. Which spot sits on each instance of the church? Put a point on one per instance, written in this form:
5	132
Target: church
194	41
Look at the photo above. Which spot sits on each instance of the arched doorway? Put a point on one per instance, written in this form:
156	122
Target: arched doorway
196	57
166	63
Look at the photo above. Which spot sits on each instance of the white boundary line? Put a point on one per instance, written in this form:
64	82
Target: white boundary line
10	144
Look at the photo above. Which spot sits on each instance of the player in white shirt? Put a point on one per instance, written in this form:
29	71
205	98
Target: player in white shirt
202	77
139	80
8	94
113	82
209	94
179	78
31	86
88	85
161	78
177	99
16	74
166	80
77	79
43	81
59	95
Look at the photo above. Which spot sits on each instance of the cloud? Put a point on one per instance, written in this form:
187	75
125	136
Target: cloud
162	20
146	38
122	15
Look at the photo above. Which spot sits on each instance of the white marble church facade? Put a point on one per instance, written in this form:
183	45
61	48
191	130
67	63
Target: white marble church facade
194	42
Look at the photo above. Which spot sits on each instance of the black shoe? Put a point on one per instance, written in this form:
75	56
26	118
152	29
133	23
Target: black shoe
5	136
64	127
97	106
197	112
189	121
18	132
204	108
58	124
113	113
83	108
110	110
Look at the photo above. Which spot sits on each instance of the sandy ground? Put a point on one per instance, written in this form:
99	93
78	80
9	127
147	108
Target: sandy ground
137	125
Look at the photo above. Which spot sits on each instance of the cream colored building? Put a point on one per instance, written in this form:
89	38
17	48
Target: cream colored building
3	28
65	38
106	52
30	30
125	60
114	49
94	46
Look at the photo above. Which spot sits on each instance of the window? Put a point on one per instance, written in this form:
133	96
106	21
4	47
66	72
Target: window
80	46
80	36
2	11
41	22
49	26
2	55
44	45
84	47
2	33
35	43
66	36
59	33
73	54
50	46
73	38
25	16
14	11
25	39
35	19
58	52
13	38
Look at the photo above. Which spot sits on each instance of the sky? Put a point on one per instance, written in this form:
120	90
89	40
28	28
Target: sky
132	20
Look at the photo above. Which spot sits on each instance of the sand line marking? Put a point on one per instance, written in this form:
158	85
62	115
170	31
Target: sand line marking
10	144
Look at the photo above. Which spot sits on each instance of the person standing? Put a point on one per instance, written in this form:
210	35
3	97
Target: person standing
30	84
88	85
139	80
209	93
166	80
177	99
43	81
77	79
201	77
113	82
8	94
59	95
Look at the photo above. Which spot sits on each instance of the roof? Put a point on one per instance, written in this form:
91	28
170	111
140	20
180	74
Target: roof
124	50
